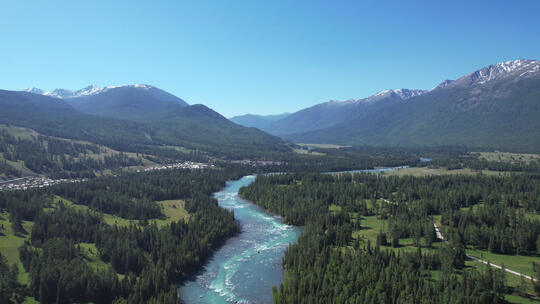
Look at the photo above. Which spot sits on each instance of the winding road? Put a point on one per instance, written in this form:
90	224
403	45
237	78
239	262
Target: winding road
441	237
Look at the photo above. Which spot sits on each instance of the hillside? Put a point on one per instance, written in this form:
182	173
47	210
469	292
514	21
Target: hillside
175	124
124	102
127	102
199	127
54	117
323	115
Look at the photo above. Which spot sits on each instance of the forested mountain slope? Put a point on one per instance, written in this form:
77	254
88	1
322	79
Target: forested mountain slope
496	107
175	124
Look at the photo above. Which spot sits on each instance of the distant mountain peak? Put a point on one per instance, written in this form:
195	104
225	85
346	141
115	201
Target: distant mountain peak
406	93
34	90
402	94
516	68
503	69
443	84
510	66
87	91
383	93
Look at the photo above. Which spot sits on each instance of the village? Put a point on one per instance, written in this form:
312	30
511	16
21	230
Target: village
184	165
31	182
257	163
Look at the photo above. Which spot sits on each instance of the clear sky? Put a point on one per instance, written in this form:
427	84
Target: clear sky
257	56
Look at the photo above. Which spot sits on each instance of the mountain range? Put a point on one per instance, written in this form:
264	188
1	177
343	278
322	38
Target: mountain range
496	107
124	102
134	118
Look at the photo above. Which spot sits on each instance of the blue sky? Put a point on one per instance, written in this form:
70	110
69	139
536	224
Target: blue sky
255	56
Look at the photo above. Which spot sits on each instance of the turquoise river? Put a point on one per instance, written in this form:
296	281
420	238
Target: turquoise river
246	267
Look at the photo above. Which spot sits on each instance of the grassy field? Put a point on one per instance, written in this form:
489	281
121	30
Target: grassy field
519	263
10	243
173	210
507	157
308	152
371	227
92	256
18	132
520	300
532	216
19	165
513	282
323	146
426	171
29	134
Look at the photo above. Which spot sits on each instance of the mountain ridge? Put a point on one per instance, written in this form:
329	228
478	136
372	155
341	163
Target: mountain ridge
496	107
487	108
327	114
86	91
140	128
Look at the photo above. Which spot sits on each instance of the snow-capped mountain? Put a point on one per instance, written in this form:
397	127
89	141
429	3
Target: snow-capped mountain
87	91
406	93
518	69
333	112
35	91
126	101
496	106
478	91
402	94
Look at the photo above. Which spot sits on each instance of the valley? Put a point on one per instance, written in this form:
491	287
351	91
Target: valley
270	152
128	194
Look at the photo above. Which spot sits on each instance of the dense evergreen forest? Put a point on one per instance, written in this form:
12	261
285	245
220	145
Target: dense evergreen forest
141	261
329	265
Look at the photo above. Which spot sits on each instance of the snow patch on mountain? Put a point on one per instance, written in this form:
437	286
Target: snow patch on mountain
519	68
406	93
87	91
402	94
34	90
